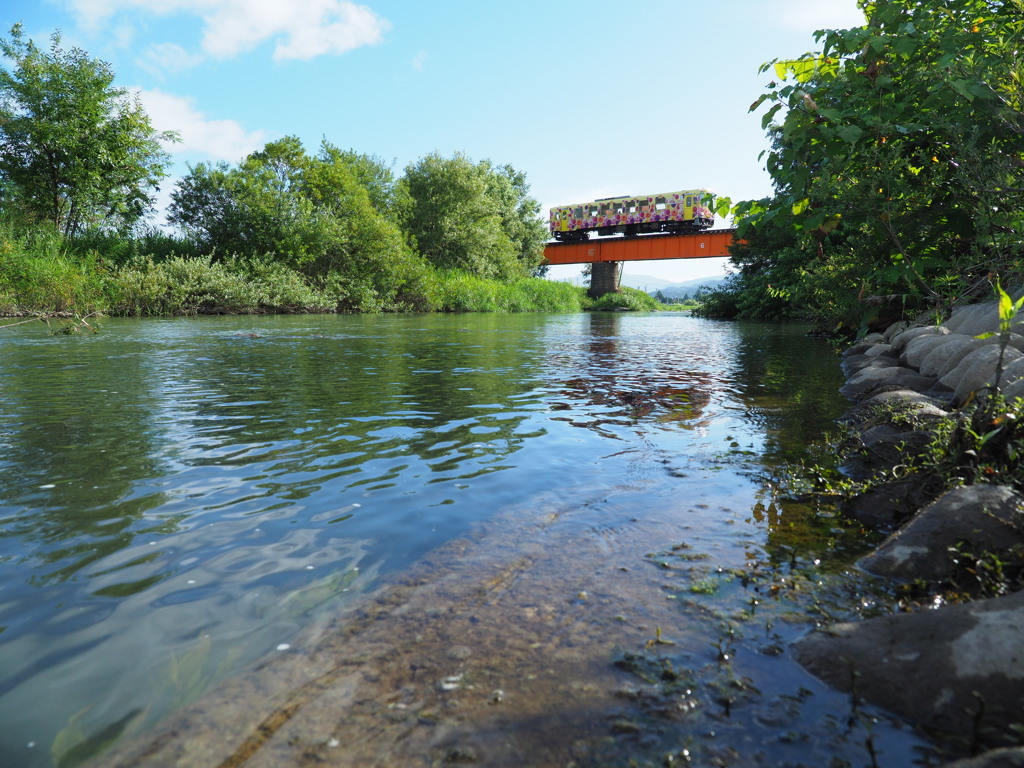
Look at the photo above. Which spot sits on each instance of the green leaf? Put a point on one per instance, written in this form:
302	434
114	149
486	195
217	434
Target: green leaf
905	45
850	133
878	43
766	120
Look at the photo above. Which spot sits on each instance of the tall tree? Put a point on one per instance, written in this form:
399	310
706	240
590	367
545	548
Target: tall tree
316	214
74	149
470	216
898	158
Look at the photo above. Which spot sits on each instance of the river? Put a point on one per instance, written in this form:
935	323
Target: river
562	528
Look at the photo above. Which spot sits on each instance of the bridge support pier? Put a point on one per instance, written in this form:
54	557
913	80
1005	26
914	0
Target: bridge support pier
604	278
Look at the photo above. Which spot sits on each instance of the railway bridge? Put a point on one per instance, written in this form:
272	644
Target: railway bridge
606	253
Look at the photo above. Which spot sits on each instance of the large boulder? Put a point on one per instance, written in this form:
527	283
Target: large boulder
892	406
945	357
974	319
978	519
896	328
916	351
887	505
854	364
958	671
977	371
901	340
871	380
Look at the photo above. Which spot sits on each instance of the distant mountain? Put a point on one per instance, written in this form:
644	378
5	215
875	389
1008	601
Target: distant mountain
669	289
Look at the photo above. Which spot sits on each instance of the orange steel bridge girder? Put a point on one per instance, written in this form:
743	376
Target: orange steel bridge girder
700	245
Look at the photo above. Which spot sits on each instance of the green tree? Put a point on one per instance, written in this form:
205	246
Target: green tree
370	171
74	149
897	159
314	214
471	216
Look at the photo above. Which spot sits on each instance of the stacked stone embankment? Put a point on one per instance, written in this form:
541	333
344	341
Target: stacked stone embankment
956	671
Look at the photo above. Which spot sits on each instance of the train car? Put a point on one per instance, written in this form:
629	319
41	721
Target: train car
684	211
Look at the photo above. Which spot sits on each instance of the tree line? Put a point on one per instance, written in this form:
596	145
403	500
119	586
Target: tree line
897	160
80	164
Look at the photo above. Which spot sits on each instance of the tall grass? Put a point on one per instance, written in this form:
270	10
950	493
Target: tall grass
157	274
453	290
38	275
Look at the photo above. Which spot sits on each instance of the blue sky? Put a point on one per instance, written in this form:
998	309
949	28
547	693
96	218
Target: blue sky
589	99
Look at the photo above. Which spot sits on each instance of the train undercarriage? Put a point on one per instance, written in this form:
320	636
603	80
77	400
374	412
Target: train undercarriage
635	230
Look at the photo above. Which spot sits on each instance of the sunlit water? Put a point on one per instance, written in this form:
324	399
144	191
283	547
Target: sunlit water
183	497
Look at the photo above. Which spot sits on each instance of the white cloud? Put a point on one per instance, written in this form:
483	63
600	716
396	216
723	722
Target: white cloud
301	29
210	139
419	60
811	15
169	57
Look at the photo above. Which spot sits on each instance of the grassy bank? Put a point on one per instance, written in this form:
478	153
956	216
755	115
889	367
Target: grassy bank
41	274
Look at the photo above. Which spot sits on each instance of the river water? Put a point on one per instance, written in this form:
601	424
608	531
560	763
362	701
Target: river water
562	528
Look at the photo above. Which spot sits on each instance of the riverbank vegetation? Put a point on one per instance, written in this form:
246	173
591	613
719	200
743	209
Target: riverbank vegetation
43	273
283	230
897	156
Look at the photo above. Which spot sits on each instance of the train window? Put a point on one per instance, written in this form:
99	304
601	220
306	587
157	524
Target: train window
689	201
578	213
659	203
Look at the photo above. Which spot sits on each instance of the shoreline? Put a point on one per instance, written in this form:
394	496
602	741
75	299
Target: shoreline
928	398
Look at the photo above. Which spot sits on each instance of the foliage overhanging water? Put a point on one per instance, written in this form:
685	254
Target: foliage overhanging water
184	497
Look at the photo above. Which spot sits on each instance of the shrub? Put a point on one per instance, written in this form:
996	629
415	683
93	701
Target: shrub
626	299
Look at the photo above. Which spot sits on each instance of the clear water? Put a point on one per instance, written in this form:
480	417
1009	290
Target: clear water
182	497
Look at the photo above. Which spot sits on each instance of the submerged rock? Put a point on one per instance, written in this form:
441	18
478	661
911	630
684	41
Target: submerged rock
958	671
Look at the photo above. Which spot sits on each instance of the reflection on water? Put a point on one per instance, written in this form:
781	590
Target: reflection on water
182	496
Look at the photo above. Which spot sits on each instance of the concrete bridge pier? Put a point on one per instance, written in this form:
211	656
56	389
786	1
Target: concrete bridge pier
604	278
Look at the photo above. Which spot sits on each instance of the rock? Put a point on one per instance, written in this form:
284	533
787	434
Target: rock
888	505
974	319
904	404
944	358
881	349
958	671
857	349
916	351
977	371
900	340
872	380
1013	372
1014	390
1008	757
857	363
892	445
981	518
894	329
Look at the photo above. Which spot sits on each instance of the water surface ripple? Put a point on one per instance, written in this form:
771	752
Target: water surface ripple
182	497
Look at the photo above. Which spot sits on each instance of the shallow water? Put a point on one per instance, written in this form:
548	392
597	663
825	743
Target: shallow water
183	498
